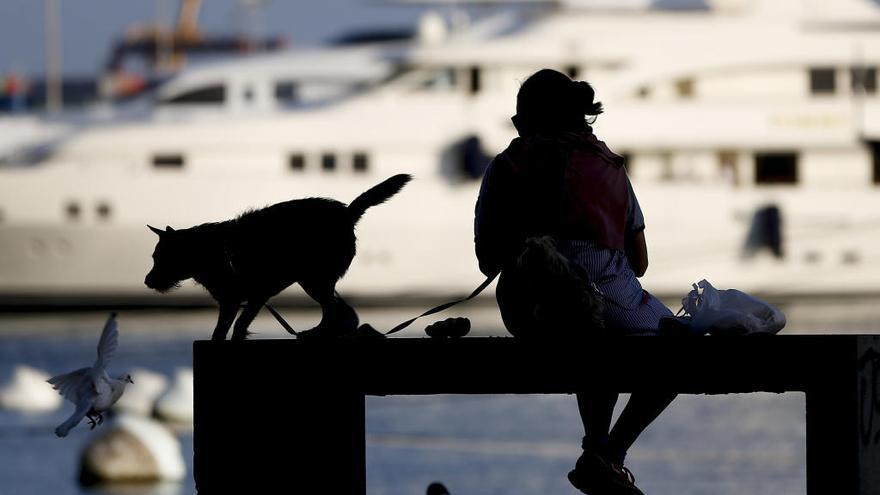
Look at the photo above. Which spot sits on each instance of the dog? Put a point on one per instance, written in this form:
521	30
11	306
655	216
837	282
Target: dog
543	294
252	258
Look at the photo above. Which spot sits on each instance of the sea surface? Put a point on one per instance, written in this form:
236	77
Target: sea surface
724	444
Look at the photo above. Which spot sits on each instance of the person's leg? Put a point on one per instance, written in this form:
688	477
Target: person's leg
596	408
641	409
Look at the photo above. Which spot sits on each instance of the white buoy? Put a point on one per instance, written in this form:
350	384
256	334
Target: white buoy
176	404
132	449
142	393
27	391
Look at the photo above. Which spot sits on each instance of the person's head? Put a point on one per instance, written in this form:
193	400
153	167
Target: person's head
549	102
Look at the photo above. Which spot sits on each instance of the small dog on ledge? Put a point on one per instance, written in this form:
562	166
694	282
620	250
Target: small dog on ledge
252	258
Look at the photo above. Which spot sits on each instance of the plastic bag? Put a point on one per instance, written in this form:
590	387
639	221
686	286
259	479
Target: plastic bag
728	312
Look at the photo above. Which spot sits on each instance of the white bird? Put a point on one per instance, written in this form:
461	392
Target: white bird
92	390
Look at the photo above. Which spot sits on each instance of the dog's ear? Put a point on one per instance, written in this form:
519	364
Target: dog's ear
168	228
156	231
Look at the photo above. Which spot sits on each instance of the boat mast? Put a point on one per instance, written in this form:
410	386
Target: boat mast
52	36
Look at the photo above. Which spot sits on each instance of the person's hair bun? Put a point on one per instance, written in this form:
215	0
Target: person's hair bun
583	95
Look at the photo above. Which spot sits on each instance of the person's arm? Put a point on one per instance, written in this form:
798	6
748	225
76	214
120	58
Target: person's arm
635	247
637	252
489	218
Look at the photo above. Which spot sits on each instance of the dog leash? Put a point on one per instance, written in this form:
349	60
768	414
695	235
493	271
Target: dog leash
281	320
435	309
447	305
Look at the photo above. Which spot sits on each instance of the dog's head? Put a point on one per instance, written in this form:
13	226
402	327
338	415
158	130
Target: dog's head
172	262
540	259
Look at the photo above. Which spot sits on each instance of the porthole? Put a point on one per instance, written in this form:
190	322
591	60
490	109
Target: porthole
296	162
360	162
72	210
103	210
328	162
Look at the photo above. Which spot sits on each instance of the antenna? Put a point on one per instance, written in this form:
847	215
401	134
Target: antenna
52	35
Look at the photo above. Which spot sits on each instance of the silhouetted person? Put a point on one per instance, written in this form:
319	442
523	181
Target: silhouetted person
558	179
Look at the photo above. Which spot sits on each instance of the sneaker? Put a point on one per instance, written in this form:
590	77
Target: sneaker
593	475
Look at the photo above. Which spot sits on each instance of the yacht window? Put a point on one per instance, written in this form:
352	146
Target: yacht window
572	71
72	210
201	96
440	79
727	165
627	161
328	161
475	80
864	79
286	91
875	161
684	88
776	168
103	210
360	162
168	161
297	161
823	80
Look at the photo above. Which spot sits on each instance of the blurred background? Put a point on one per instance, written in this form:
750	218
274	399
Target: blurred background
751	130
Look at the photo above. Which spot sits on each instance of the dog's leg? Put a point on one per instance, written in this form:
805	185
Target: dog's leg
250	311
337	317
224	320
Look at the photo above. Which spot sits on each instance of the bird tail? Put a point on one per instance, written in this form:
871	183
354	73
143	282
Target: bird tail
377	194
77	416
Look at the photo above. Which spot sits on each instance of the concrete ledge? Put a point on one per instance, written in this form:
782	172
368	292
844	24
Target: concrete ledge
289	414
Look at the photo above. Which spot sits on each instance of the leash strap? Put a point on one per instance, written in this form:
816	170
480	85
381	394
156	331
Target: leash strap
407	323
443	306
281	320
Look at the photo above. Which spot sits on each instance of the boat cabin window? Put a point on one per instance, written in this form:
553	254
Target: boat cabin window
864	79
328	162
103	210
875	161
202	96
286	92
72	210
360	162
168	161
823	80
439	79
727	167
475	82
684	88
776	168
296	162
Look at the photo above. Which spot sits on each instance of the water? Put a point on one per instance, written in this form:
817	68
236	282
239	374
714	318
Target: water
729	444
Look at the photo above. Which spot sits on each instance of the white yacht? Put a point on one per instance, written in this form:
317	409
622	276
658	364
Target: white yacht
721	113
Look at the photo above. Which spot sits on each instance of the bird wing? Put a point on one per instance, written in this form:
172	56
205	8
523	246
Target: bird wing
75	385
82	408
109	341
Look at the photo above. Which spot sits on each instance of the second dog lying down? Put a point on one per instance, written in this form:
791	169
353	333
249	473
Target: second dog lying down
253	257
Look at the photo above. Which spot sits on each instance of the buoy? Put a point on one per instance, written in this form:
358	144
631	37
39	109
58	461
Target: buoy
142	393
132	449
27	391
175	405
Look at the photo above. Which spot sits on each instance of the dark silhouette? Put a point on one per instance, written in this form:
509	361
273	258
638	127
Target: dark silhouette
436	488
254	257
558	179
542	294
765	232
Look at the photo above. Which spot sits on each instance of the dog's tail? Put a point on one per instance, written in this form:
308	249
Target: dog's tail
377	194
